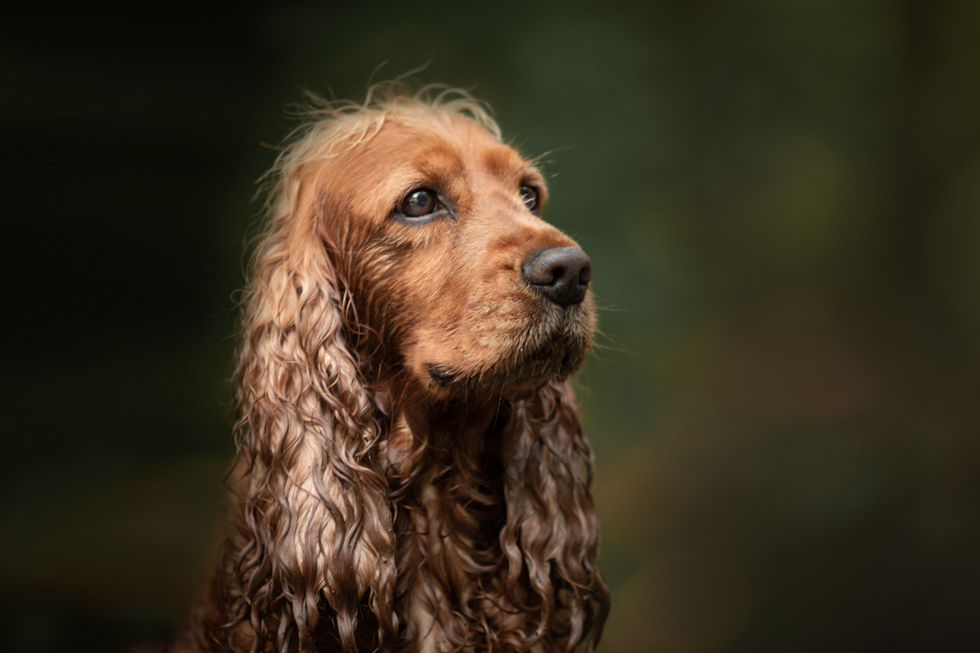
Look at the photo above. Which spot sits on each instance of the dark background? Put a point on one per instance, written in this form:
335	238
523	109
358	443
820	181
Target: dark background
782	204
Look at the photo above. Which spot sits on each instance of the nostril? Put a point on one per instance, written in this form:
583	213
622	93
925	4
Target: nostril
561	274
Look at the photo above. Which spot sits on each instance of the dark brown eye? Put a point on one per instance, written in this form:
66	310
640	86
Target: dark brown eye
418	203
529	195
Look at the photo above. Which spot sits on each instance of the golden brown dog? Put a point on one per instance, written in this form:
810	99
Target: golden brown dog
411	473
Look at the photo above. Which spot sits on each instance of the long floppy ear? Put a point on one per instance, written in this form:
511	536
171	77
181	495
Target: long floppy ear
551	539
313	520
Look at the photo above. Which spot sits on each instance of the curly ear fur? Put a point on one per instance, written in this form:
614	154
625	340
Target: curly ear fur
497	532
313	518
551	538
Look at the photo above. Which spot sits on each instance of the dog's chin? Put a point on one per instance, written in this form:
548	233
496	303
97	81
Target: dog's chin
522	369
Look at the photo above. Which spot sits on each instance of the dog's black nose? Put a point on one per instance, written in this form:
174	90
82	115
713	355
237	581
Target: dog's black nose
561	274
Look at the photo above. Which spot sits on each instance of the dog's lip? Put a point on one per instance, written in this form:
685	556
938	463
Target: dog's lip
550	344
440	375
556	358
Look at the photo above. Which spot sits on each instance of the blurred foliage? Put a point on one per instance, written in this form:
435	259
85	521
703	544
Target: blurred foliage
782	204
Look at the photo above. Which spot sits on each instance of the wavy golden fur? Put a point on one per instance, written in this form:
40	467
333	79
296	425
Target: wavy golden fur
411	473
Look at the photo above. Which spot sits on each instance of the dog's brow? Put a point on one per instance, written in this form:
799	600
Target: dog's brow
503	162
533	175
439	161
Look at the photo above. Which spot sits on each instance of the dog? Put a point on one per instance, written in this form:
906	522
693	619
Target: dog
411	474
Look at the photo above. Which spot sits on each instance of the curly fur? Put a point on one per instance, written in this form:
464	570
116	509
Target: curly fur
411	472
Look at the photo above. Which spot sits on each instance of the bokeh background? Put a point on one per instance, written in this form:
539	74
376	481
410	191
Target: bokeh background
782	203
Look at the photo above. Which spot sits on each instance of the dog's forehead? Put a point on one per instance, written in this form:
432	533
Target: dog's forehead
449	153
451	145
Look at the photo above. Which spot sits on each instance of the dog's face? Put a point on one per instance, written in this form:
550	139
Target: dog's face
435	227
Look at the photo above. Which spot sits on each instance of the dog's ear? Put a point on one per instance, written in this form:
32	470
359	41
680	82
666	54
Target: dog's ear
314	525
551	539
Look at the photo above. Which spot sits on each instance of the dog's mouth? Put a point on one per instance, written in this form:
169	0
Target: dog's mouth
558	359
556	362
441	376
545	351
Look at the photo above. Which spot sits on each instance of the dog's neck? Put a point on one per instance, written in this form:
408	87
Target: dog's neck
451	420
422	432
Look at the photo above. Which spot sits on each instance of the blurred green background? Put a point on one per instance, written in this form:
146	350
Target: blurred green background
782	203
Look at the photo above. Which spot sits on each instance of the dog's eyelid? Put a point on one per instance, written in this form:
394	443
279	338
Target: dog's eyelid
444	206
442	212
450	210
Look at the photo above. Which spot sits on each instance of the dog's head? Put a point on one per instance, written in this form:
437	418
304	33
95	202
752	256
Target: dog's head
434	226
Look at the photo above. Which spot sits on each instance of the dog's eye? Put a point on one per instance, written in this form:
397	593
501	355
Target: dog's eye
529	195
418	203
